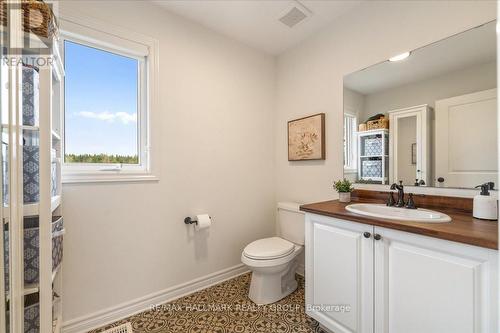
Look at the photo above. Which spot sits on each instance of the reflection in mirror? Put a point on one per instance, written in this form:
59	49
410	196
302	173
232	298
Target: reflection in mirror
428	118
4	110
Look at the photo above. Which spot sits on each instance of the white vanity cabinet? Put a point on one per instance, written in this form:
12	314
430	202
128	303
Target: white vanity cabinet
400	283
339	271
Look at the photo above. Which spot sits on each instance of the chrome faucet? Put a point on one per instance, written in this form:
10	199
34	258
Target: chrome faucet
401	193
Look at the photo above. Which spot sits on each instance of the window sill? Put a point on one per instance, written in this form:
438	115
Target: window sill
74	178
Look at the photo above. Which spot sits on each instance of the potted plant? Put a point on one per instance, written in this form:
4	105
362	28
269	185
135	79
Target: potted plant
344	187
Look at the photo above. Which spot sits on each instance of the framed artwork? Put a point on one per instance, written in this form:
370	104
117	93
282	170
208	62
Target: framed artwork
306	138
414	153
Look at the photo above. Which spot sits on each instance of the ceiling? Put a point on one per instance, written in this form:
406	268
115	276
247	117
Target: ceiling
256	22
473	47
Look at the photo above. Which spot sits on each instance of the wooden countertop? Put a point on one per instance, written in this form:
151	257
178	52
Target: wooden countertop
463	227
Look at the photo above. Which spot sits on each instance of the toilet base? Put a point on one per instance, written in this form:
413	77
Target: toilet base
270	284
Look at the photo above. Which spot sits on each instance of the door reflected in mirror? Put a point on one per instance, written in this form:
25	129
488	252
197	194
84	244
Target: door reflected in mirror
427	120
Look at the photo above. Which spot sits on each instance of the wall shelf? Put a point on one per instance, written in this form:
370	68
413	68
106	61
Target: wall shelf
33	209
33	288
369	156
24	127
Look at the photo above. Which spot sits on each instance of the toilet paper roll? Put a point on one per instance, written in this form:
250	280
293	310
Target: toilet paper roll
204	221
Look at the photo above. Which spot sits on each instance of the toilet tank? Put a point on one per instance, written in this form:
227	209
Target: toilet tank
290	222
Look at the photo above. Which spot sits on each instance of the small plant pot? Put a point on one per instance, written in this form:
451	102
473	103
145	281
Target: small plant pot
345	196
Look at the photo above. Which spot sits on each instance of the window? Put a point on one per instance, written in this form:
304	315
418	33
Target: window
350	142
108	93
101	107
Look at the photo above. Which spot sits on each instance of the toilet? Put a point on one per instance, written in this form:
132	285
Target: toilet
273	261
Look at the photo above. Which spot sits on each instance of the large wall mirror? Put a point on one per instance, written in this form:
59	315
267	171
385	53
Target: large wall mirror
427	117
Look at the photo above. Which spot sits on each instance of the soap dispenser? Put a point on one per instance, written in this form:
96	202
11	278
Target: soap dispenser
485	206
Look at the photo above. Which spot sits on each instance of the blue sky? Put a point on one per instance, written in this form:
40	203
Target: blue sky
100	101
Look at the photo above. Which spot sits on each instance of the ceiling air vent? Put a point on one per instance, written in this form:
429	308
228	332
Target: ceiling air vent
294	15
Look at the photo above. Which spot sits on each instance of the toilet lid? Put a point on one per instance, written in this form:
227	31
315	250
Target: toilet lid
268	248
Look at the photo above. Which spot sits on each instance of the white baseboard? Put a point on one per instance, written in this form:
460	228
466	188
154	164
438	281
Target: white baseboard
124	310
324	328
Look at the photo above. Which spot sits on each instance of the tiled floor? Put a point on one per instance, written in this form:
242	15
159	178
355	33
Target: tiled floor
226	308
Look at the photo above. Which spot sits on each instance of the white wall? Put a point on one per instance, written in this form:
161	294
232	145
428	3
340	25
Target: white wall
465	81
354	102
309	76
125	241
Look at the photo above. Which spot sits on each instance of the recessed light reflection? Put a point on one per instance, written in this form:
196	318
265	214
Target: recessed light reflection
400	57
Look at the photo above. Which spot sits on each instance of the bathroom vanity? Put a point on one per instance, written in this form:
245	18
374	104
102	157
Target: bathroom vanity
377	275
426	120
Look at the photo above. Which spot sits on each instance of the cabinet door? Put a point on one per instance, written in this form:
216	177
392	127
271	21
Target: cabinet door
339	274
429	285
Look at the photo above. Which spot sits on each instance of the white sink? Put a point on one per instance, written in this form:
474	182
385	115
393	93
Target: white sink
400	214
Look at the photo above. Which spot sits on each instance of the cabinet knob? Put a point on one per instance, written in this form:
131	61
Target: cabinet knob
377	237
367	235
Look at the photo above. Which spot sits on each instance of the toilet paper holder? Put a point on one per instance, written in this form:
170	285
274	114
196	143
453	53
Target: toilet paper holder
189	220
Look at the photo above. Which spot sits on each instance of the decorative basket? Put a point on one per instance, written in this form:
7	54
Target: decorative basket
32	312
381	123
371	169
373	147
38	18
30	89
31	243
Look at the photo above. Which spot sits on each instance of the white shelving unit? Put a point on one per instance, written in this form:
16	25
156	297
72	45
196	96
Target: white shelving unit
373	156
14	211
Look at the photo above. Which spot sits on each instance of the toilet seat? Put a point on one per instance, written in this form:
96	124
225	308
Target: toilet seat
268	249
260	263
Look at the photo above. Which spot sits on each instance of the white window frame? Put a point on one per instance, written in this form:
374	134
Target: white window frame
350	163
103	36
